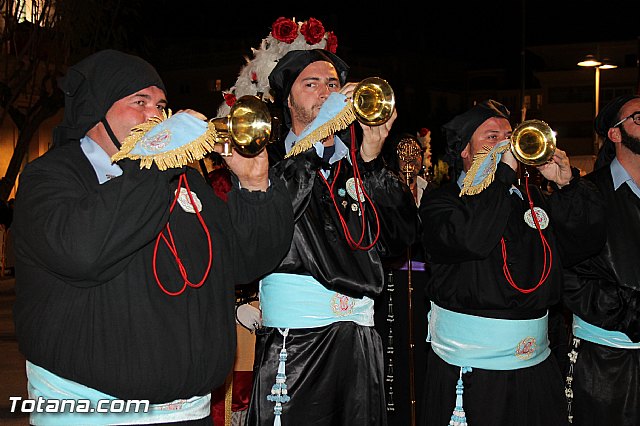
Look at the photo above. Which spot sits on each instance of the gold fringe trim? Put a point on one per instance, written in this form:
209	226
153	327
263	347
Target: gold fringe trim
467	184
341	121
179	157
228	399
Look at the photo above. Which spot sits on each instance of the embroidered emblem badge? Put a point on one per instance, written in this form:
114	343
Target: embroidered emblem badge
156	142
351	189
342	305
185	201
526	348
543	218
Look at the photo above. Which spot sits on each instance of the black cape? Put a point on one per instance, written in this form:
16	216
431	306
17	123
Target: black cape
605	291
462	240
334	373
88	307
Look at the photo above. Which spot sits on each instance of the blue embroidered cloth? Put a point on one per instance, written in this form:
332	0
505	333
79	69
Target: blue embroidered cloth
335	114
483	168
170	142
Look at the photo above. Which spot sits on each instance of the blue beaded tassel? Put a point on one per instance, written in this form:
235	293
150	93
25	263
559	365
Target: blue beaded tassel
279	389
459	418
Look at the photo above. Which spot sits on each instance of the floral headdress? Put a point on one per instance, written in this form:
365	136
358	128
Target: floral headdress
286	35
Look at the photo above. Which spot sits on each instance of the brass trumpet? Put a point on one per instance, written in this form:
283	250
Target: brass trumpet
533	142
247	127
373	101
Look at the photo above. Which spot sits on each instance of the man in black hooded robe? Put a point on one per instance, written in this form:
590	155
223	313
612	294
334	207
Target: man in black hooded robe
122	292
604	291
319	360
495	272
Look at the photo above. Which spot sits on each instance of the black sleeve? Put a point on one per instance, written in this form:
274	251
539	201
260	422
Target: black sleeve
578	214
262	226
593	293
395	205
457	229
88	232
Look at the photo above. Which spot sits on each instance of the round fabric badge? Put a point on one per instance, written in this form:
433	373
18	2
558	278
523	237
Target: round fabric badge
185	201
543	218
351	189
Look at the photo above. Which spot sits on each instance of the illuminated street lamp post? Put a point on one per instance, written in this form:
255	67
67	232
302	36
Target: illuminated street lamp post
591	61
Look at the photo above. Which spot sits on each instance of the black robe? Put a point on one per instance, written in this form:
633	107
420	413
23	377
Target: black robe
334	373
88	307
462	239
605	292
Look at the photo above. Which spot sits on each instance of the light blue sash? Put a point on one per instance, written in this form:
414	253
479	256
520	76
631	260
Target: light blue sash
591	333
49	388
488	343
300	301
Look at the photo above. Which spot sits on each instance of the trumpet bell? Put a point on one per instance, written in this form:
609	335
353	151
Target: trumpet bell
373	101
533	142
247	127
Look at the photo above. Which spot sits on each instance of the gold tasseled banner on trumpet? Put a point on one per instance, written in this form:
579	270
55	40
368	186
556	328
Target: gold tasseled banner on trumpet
179	157
340	121
483	165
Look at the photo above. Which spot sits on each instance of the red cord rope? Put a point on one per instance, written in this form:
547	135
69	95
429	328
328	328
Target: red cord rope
359	190
546	269
170	243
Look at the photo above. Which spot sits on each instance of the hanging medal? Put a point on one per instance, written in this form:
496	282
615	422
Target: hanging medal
353	192
541	215
185	201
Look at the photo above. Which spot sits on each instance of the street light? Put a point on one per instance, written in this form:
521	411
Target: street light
591	61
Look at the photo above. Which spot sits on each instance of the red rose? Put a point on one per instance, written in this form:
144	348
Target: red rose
230	99
312	30
332	42
423	132
284	30
254	76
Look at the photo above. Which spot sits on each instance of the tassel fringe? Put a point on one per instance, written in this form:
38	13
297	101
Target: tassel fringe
279	389
459	418
341	121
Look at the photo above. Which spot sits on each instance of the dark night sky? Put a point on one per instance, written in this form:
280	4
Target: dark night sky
489	34
444	28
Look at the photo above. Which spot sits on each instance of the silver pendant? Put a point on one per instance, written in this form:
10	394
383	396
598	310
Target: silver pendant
541	215
185	201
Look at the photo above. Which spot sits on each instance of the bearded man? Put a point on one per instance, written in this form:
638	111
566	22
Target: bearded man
604	291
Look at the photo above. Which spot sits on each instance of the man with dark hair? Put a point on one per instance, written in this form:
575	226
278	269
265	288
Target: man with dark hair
125	275
496	269
319	360
603	292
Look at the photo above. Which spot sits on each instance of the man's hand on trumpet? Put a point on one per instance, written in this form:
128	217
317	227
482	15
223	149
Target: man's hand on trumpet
558	169
252	172
373	137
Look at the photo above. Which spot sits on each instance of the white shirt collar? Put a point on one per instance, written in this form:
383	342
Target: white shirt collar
100	160
620	176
